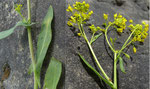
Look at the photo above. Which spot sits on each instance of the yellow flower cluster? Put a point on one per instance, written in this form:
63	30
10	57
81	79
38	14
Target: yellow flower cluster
94	29
80	12
141	31
120	22
18	8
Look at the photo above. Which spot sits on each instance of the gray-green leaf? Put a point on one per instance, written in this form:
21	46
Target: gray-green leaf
121	65
53	74
8	32
95	38
44	40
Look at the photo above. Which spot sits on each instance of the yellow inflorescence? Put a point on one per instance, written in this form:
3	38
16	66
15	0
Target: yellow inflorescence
80	12
120	22
18	7
141	31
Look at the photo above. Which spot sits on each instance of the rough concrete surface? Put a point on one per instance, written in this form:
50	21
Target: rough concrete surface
14	49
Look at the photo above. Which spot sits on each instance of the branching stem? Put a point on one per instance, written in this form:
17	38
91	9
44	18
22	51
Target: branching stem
94	56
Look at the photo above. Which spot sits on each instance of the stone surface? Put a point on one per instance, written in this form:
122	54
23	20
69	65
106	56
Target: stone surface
14	49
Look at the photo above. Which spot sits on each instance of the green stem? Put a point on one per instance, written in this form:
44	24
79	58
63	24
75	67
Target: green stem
125	44
127	40
91	49
115	70
31	43
107	37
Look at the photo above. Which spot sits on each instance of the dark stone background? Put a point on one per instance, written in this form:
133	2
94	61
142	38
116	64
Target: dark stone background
14	49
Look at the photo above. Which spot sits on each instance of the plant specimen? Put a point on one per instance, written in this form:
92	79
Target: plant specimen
138	32
54	70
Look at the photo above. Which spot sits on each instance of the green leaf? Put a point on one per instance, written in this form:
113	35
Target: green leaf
127	55
44	40
8	32
111	40
106	81
95	38
53	74
121	65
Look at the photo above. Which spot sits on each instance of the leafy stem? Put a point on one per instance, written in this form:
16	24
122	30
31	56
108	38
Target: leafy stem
117	53
91	49
31	44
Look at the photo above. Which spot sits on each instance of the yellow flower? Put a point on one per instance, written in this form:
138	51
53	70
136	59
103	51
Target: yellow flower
131	26
87	5
115	15
83	2
134	39
79	34
77	3
105	16
139	38
69	23
147	25
134	49
76	14
70	9
131	21
119	16
73	19
98	28
93	28
120	30
84	16
90	13
143	23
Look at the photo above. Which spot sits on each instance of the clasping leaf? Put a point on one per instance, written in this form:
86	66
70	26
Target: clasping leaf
8	32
